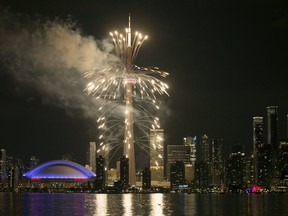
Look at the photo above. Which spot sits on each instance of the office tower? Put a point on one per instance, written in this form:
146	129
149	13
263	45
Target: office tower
177	153
272	127
283	158
235	167
191	142
146	179
265	165
177	174
92	156
216	161
258	141
157	154
124	172
258	138
100	172
205	146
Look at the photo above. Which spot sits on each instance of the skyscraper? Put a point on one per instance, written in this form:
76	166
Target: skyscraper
258	139
100	172
205	146
177	174
146	178
177	153
191	142
157	154
216	161
272	127
124	172
258	143
92	156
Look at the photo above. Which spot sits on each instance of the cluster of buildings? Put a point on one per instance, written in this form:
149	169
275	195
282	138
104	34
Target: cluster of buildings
197	164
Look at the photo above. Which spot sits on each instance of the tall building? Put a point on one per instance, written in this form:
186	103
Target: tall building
258	142
146	178
258	137
283	157
157	154
124	172
100	172
265	165
272	126
272	130
205	144
216	161
177	174
92	156
235	167
177	153
191	142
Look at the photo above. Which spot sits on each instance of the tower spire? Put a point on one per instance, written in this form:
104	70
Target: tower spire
129	31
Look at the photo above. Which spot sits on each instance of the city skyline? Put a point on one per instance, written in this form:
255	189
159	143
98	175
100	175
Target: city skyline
226	66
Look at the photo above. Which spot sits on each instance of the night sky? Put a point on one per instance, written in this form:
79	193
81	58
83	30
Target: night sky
227	63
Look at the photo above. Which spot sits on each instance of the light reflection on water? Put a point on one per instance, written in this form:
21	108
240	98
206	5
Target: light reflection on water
157	204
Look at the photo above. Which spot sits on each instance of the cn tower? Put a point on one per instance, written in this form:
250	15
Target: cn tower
129	131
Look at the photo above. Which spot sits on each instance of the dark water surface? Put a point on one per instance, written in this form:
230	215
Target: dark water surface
85	204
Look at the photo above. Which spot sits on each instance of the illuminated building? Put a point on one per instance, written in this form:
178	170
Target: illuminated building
157	154
235	173
258	141
113	175
191	142
272	126
177	174
205	146
201	174
177	153
272	136
265	165
92	156
283	157
146	178
100	172
124	172
216	161
258	138
59	173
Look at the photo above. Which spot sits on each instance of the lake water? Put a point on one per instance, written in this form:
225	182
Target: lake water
85	204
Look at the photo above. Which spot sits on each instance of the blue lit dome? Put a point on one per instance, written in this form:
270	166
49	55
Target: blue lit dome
59	169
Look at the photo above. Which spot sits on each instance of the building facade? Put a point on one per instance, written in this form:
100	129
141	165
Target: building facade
157	154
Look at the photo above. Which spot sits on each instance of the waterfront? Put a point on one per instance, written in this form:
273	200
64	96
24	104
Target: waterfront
88	204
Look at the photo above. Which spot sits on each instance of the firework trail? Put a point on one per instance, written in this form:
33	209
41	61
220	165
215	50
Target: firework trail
111	85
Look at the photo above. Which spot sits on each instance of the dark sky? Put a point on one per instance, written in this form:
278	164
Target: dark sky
227	63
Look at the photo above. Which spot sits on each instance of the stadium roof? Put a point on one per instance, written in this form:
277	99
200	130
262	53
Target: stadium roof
59	169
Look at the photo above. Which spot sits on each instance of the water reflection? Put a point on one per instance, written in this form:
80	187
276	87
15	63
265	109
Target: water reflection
101	204
157	204
63	204
127	203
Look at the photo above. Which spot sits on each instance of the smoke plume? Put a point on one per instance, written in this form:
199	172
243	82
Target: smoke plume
51	56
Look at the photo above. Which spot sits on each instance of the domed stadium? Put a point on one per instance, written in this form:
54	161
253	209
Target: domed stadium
59	169
59	173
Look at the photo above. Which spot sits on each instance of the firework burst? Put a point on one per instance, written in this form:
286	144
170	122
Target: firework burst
115	83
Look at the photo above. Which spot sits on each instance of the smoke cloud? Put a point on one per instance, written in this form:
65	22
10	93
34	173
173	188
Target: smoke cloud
51	56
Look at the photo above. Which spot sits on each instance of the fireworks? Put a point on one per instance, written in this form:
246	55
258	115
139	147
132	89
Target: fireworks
130	95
